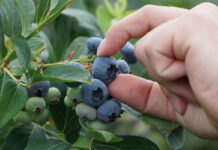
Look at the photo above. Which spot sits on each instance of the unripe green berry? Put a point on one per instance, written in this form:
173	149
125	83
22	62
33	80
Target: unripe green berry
23	118
42	117
53	96
85	111
74	93
35	105
68	102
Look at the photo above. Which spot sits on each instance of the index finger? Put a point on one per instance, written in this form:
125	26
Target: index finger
136	25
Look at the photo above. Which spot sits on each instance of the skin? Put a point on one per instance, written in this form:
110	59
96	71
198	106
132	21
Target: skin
179	49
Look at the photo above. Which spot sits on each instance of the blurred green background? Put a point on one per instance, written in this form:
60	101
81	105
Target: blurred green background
128	124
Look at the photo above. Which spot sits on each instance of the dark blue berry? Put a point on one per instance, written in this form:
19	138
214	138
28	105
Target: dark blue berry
94	94
74	84
123	66
128	53
39	89
105	69
93	44
109	111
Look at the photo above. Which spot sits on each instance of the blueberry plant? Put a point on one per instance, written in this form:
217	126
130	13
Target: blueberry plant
52	84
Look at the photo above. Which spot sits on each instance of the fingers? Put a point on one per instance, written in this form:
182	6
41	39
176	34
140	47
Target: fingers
136	25
144	95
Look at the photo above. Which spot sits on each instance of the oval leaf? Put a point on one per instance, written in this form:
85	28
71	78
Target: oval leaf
12	98
128	143
22	50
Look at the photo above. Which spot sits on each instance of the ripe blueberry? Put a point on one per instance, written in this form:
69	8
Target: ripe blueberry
128	53
53	96
93	44
39	89
23	118
35	105
94	94
105	69
109	111
85	111
74	84
123	66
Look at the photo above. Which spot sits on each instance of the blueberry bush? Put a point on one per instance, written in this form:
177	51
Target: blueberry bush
53	87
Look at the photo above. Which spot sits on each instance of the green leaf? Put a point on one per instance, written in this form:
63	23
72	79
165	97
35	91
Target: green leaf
128	143
59	5
36	43
64	73
164	126
86	20
12	98
81	50
38	141
22	50
3	50
104	18
26	10
11	21
42	9
17	138
65	118
176	138
100	135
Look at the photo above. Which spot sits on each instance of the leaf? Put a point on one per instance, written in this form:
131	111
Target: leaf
100	135
42	9
59	5
74	45
65	118
22	50
164	126
38	141
128	143
104	18
12	98
36	43
176	138
17	138
11	22
86	20
3	50
64	73
26	10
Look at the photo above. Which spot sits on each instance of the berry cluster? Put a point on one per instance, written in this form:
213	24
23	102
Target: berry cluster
96	101
90	101
40	95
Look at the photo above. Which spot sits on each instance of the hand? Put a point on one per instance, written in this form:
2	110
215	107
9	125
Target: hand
179	49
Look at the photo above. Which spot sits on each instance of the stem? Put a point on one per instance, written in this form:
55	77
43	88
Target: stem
48	19
6	59
58	136
14	78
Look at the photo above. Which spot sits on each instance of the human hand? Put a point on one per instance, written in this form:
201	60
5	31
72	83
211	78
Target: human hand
179	49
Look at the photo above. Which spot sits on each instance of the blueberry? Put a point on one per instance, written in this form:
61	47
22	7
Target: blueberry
23	118
123	66
105	69
74	84
42	117
85	111
94	94
35	105
128	53
39	89
93	44
109	111
53	96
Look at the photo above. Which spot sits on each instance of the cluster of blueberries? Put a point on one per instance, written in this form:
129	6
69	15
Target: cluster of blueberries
90	101
97	103
40	95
